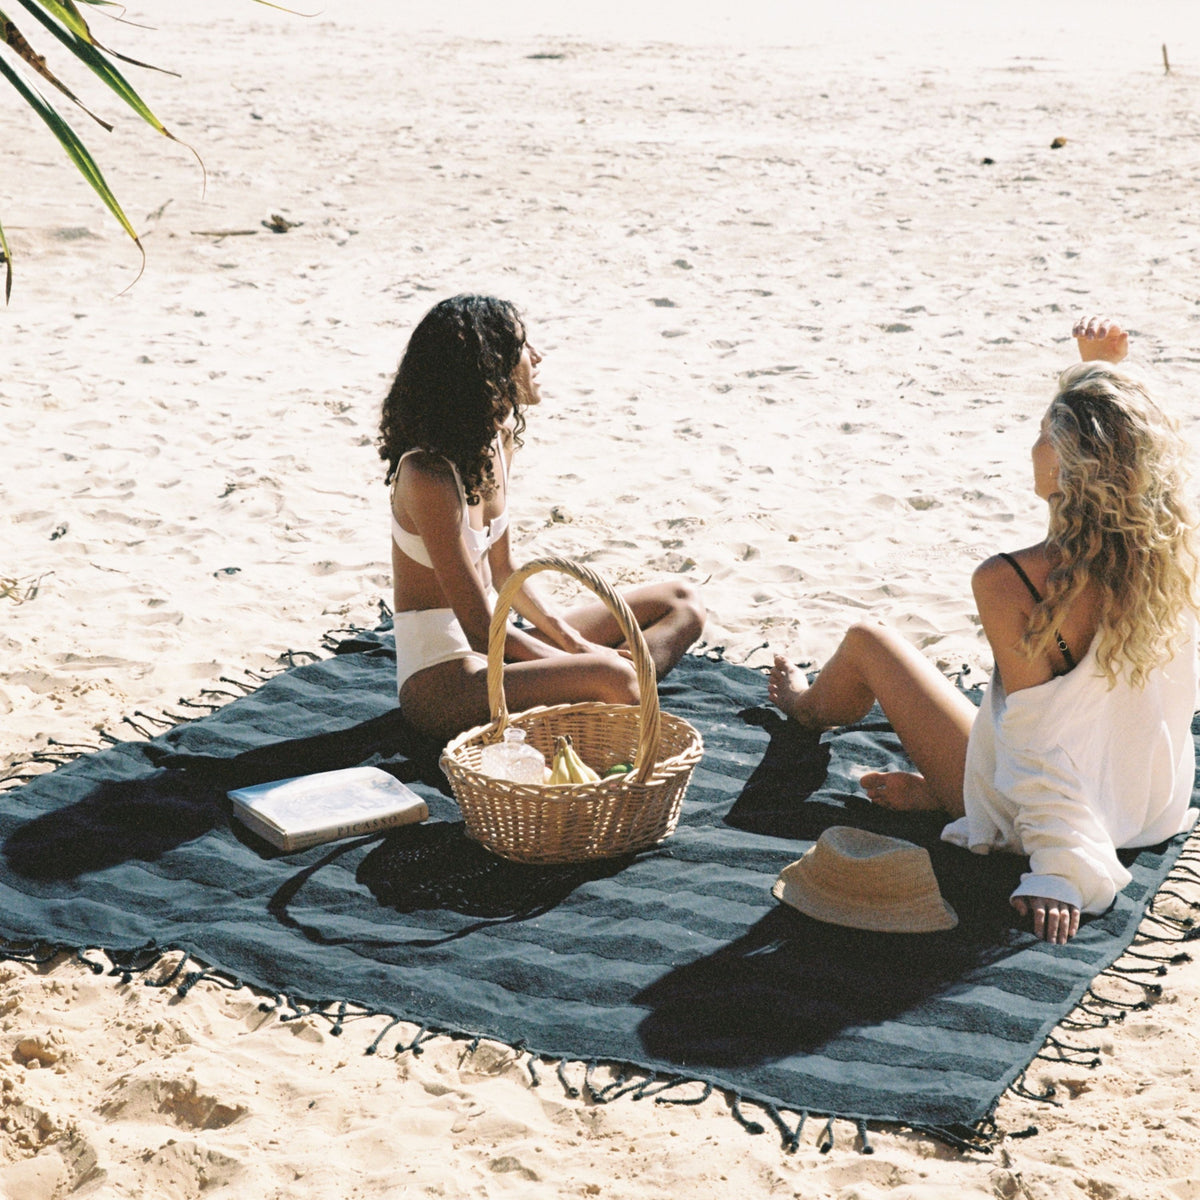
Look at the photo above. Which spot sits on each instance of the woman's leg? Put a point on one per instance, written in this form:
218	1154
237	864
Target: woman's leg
931	717
445	699
670	615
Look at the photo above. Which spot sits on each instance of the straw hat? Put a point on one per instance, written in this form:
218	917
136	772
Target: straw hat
868	881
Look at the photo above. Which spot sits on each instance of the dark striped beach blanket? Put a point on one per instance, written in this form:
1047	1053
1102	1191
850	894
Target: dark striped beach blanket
677	964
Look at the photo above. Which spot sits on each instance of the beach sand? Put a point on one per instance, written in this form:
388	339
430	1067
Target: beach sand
802	293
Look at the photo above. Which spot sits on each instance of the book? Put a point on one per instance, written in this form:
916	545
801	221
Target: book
293	814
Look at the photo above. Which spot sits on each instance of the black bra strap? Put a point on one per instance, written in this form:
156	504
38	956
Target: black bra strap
1016	566
1063	648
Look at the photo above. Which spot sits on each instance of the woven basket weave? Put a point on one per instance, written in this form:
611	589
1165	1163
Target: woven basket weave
565	823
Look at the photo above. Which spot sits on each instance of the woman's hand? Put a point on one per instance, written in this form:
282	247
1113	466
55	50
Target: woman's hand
1100	338
568	638
580	645
1053	921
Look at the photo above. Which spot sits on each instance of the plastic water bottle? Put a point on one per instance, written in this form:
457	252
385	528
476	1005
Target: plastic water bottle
513	759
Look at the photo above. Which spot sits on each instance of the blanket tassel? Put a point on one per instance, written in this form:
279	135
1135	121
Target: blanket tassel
1095	1019
373	1048
34	956
415	1047
1076	1056
535	1080
666	1085
567	1085
1019	1087
789	1138
93	966
1122	1006
126	964
637	1088
1192	904
167	980
979	1139
229	982
825	1140
864	1143
1180	956
735	1107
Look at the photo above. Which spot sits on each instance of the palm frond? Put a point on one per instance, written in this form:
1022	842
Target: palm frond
83	47
64	20
12	37
69	16
76	150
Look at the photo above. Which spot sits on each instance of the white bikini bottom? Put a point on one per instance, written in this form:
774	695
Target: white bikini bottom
426	637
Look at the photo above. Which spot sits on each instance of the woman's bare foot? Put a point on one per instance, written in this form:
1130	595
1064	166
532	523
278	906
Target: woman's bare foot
1100	338
901	791
786	688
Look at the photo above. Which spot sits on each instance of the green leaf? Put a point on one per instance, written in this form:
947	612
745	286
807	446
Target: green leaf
12	37
70	16
76	150
84	50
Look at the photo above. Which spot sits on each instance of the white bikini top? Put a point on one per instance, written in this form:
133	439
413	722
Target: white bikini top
478	541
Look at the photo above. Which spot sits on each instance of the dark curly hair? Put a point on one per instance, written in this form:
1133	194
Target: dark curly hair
454	387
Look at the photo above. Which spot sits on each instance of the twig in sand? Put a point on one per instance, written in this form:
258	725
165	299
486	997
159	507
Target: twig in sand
1166	60
223	233
19	591
280	224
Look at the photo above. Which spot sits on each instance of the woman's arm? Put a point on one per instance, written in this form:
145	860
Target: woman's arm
1005	606
544	617
530	605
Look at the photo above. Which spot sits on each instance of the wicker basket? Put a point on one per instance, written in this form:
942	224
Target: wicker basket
566	823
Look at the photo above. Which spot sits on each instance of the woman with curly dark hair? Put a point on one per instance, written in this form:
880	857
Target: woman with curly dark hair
450	425
1082	745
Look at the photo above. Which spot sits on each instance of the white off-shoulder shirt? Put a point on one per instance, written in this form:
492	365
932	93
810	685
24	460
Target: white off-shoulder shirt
1072	770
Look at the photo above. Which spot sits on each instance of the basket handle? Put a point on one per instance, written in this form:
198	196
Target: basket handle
648	716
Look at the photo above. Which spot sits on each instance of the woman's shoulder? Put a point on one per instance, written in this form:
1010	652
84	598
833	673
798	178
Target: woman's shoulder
425	464
1010	573
423	475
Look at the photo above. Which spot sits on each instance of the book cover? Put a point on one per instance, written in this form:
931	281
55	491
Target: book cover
293	814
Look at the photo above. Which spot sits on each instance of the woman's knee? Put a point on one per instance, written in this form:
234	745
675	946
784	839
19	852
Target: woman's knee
684	607
618	682
868	637
689	602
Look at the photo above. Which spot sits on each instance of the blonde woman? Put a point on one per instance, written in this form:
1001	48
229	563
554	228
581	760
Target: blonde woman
1082	745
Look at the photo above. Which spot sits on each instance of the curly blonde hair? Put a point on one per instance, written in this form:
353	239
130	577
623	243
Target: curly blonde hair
1119	520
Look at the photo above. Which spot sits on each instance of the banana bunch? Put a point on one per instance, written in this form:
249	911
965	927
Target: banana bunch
567	766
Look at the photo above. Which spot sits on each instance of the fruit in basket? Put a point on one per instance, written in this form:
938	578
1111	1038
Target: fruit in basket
621	768
567	766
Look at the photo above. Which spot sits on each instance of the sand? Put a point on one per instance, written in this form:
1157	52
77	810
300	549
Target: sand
802	285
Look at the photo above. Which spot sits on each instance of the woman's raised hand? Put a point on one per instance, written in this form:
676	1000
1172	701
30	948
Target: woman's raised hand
1100	338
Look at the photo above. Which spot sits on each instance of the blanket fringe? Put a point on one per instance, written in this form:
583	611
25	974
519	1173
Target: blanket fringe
629	1081
979	1138
1149	956
146	725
